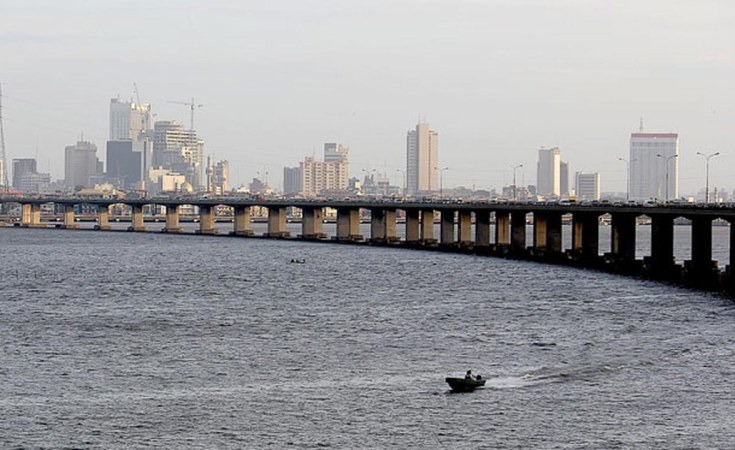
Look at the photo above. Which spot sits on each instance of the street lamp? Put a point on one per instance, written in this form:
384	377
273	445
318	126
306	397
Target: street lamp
667	171
627	182
706	183
515	197
441	180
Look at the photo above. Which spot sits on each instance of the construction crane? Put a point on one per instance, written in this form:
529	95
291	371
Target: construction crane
192	105
3	161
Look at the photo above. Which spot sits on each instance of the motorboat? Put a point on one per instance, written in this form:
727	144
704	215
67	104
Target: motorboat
465	384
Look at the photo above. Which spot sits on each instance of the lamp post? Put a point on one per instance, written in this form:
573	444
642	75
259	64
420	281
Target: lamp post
706	177
627	180
403	178
515	197
441	180
667	159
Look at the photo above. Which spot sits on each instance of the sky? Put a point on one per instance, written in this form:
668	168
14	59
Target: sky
497	79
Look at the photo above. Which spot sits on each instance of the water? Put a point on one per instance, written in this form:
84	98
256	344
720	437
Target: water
126	340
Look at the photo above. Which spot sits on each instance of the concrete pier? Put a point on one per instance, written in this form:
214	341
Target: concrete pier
622	237
427	226
348	224
137	222
30	215
701	269
242	219
547	233
464	228
312	223
383	226
277	222
502	228
69	221
482	229
446	227
661	262
103	218
172	219
586	235
206	220
413	231
518	231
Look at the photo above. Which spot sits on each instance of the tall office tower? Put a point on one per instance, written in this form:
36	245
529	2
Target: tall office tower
291	180
128	120
422	160
548	174
21	167
654	166
179	150
587	186
81	165
219	182
563	178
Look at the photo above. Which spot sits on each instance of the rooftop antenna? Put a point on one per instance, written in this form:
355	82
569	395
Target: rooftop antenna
640	127
192	105
3	160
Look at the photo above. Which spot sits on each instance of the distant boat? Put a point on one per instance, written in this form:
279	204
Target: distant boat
465	384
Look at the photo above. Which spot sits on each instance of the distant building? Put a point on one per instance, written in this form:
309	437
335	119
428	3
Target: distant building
33	182
22	167
81	164
563	178
127	163
422	160
654	162
548	174
587	186
291	180
179	150
218	177
128	120
318	177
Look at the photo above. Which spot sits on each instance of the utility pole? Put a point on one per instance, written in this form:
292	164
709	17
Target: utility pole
706	177
515	197
3	159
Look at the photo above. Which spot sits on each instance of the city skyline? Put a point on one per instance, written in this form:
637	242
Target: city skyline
497	79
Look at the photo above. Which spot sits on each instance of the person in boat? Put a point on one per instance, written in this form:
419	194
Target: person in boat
468	375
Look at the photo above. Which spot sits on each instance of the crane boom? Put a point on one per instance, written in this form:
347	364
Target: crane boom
192	106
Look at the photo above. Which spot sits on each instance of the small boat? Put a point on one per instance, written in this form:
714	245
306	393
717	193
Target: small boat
464	384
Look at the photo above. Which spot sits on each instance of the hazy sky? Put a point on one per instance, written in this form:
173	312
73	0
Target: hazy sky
497	79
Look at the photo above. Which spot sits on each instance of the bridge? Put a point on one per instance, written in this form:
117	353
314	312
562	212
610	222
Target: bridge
463	227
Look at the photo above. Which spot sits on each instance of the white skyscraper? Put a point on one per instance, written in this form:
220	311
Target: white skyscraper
422	160
128	120
587	186
81	164
654	166
548	175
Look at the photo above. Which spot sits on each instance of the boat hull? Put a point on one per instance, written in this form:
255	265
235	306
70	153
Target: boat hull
463	385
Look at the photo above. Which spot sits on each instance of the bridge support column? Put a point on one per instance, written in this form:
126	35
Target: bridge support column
348	224
446	227
69	221
103	218
413	231
518	231
277	222
312	223
586	235
502	228
482	228
172	219
464	228
30	215
137	223
382	226
701	269
661	261
547	232
622	237
206	220
427	226
242	225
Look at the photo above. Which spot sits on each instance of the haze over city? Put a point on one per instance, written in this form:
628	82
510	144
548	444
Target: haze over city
496	79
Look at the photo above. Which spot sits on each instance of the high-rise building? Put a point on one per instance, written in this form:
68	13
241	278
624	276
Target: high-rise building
548	174
291	180
21	167
81	164
128	120
218	175
587	186
563	178
179	150
319	177
422	160
654	166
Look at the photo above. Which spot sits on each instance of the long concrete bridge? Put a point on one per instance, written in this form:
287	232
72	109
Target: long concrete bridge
456	231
